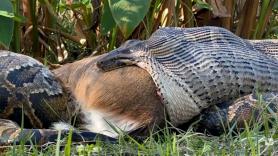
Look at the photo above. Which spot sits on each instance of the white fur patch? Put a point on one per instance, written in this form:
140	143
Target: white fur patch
62	126
104	123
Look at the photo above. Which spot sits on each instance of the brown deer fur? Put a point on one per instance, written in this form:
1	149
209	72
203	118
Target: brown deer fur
126	94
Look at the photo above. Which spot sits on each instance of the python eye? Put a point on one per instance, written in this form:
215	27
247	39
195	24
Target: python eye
99	63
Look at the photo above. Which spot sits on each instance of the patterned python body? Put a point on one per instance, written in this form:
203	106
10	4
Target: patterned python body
25	84
195	68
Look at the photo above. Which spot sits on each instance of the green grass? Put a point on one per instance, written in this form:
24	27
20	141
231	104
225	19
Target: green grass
251	141
258	138
247	143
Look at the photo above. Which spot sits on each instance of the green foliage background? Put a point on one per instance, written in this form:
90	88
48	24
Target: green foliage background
60	31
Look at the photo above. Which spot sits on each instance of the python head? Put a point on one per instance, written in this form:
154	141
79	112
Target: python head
130	53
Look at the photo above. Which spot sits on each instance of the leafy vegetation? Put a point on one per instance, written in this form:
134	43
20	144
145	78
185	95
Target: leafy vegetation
6	27
65	30
60	31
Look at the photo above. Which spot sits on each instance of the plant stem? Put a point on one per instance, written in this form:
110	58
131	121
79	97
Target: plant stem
16	33
263	18
113	38
187	13
247	19
227	22
35	33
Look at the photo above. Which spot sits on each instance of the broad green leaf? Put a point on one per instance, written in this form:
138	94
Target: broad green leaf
128	13
6	23
107	22
11	15
6	14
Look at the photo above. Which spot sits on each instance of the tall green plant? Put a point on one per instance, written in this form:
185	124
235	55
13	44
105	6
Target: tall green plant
17	28
35	32
265	13
125	14
7	23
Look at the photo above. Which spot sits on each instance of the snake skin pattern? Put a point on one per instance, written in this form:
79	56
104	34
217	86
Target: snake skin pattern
229	115
11	133
195	68
26	85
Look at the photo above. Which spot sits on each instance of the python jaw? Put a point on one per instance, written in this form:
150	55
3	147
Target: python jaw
129	53
116	59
